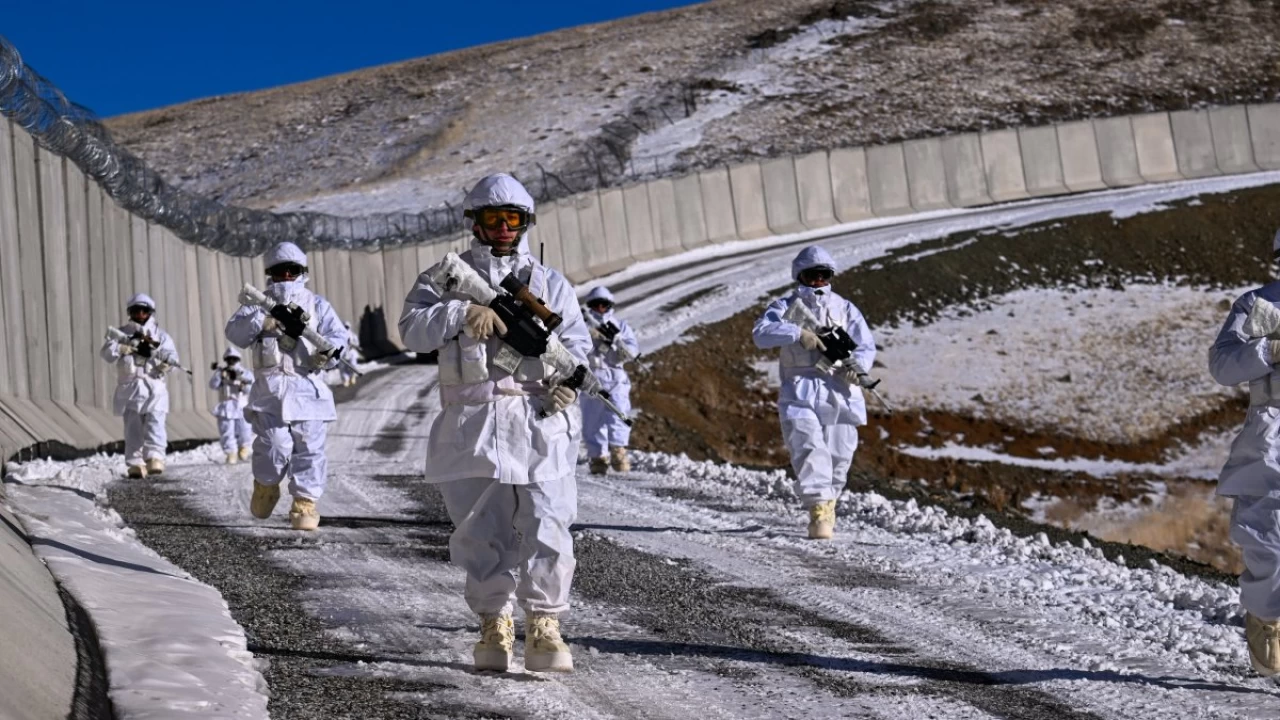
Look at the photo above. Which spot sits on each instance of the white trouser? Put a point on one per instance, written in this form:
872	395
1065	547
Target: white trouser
294	450
235	433
501	527
145	437
1255	527
601	429
821	453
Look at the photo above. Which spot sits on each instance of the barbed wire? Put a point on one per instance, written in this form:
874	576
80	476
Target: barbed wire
74	132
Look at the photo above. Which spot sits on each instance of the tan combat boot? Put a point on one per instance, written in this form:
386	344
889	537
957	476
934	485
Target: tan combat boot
599	466
544	649
244	453
232	459
303	514
264	500
1264	644
497	638
822	520
619	460
137	471
155	466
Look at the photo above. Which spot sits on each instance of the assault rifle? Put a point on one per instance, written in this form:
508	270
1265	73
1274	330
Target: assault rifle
529	326
608	332
144	346
230	375
838	347
250	295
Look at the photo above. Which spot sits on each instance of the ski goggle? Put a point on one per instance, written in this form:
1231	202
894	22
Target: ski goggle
817	273
491	218
139	310
600	305
286	271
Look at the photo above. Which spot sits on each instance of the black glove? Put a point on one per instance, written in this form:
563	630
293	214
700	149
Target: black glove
609	331
292	319
143	345
213	366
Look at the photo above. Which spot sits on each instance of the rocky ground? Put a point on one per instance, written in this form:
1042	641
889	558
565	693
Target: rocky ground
712	83
708	398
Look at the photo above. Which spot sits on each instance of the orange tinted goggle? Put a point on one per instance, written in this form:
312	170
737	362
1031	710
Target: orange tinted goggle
491	218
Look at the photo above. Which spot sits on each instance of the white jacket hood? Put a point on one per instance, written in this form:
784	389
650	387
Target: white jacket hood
811	257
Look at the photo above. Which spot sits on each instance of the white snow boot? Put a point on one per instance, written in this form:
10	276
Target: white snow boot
155	466
600	466
544	649
822	520
264	500
1264	644
497	638
618	459
303	514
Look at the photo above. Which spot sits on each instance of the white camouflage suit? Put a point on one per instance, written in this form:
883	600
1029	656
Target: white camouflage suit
820	413
350	353
290	404
142	392
233	428
1246	352
507	476
601	428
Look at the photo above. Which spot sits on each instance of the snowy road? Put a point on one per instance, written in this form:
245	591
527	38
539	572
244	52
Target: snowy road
696	597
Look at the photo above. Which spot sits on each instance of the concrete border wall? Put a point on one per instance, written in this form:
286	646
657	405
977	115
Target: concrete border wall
62	237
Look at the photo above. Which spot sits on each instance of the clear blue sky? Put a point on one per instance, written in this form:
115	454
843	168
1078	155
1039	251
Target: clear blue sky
122	56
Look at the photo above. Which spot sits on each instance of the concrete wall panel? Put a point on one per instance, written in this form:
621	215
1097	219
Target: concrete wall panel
926	174
81	276
575	260
1042	161
966	176
393	261
717	204
689	216
887	180
748	201
617	245
1264	131
635	199
1193	143
1002	164
201	353
57	278
13	381
31	260
591	231
369	287
545	239
663	217
1081	167
781	196
1152	136
1117	152
850	191
102	270
1232	142
813	183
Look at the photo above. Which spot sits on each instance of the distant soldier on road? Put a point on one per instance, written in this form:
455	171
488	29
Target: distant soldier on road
143	362
820	406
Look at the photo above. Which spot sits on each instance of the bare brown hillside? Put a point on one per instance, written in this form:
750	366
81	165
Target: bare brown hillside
707	84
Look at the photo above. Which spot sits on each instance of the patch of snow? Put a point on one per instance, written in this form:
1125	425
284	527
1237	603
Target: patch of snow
171	647
1107	365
